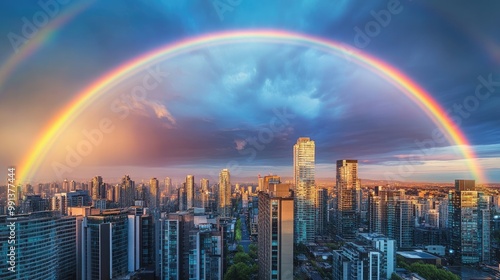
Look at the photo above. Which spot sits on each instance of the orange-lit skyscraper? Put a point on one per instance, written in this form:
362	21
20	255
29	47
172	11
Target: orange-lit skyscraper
305	190
348	189
224	193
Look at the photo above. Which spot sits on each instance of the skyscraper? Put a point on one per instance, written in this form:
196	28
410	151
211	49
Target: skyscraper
190	191
276	230
105	245
204	194
348	189
168	186
224	193
305	190
322	210
61	201
127	193
269	180
65	186
72	186
468	223
303	160
154	191
392	216
141	251
182	198
204	184
98	188
191	248
45	246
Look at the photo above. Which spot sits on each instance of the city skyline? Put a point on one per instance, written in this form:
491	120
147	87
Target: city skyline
263	79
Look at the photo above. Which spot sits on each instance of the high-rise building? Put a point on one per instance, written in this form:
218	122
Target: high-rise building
204	184
303	160
305	190
405	224
190	191
65	186
356	261
140	239
469	223
45	246
224	193
387	246
276	235
98	188
104	241
127	192
322	210
391	216
61	201
168	186
443	213
33	203
154	191
72	185
204	194
348	194
270	180
191	247
182	198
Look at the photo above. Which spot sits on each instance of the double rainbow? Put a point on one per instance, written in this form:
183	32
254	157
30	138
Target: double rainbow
389	73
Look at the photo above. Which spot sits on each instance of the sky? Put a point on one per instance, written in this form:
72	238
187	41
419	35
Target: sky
242	106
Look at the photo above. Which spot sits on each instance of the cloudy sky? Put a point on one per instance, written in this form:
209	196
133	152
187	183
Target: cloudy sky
243	106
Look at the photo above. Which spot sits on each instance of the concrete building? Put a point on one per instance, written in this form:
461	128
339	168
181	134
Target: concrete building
276	234
191	247
45	246
105	245
348	198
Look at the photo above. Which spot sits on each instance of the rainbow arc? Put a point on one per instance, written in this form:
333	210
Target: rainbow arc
386	71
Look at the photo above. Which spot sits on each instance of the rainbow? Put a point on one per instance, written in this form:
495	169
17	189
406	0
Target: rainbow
42	37
389	73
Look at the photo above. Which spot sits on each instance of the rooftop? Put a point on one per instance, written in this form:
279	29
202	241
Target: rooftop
416	255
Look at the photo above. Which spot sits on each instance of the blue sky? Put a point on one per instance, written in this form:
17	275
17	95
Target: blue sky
216	106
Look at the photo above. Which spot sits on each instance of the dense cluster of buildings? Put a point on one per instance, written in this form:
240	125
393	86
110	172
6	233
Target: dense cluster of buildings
95	230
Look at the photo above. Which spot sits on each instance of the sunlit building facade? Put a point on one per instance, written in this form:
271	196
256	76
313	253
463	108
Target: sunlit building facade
224	208
305	190
189	191
276	235
348	195
469	224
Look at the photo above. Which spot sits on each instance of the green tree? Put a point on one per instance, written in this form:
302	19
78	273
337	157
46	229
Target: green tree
431	272
239	249
243	258
394	276
237	237
253	251
238	271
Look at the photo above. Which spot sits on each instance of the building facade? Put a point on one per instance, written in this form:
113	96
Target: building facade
348	198
276	236
45	246
305	190
469	224
224	208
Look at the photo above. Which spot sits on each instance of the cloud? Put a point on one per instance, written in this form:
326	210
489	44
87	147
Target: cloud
240	144
152	108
